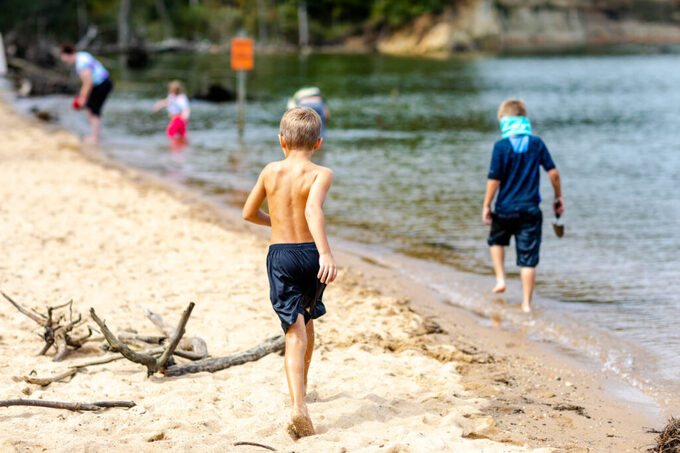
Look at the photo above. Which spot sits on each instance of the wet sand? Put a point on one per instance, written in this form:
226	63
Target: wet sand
393	370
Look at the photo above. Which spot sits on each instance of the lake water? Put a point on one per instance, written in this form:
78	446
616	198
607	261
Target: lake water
410	141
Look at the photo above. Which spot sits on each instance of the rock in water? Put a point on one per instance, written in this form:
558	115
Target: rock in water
216	93
137	58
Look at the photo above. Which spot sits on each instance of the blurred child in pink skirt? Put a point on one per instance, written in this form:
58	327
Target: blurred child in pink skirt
177	105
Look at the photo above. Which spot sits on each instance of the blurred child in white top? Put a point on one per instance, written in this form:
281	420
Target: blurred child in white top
177	105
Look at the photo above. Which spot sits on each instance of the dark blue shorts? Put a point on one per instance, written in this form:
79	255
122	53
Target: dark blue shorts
98	96
525	224
293	284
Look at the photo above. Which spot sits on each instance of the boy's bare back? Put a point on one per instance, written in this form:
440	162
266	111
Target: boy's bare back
299	261
287	185
296	189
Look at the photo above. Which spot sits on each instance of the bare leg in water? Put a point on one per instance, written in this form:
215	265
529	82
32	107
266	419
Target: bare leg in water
95	124
296	372
497	257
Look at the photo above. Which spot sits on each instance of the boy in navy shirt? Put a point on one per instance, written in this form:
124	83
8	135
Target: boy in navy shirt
515	174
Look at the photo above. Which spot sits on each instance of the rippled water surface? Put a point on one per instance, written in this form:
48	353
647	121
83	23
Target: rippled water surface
410	142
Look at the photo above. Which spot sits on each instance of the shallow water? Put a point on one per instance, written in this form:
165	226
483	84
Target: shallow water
410	141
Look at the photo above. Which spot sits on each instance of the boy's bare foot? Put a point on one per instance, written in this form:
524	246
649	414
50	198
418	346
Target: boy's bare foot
300	425
526	307
499	288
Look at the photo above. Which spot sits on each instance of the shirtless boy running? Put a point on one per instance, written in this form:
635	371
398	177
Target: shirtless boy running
299	263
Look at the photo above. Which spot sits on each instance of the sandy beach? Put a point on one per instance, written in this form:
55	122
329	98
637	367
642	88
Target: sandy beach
392	371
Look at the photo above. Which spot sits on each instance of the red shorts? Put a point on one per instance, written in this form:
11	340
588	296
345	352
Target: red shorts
177	127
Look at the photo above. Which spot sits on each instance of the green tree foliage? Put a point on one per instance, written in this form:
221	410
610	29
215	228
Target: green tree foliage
39	17
214	20
398	12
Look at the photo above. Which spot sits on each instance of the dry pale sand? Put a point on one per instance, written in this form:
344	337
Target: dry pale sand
73	229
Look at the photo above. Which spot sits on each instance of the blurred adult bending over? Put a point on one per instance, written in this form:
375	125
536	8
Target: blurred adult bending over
96	86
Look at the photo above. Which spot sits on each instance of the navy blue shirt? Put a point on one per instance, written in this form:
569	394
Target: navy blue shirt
518	170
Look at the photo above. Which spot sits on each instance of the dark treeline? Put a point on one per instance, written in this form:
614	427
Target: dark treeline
270	21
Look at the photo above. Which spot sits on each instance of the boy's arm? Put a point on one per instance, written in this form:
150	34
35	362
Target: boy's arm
251	208
317	224
558	204
491	188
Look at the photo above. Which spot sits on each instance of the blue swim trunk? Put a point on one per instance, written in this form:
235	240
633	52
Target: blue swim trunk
523	223
294	286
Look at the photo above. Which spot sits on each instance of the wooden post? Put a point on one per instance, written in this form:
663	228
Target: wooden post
303	24
81	11
241	102
262	22
123	26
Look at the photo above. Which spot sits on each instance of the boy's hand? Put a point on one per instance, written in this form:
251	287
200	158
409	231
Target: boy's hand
327	268
486	215
558	206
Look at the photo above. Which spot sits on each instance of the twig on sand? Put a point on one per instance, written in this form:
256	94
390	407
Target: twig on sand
254	444
47	381
268	346
68	406
151	363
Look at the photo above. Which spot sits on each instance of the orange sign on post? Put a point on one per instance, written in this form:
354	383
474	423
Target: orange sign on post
242	54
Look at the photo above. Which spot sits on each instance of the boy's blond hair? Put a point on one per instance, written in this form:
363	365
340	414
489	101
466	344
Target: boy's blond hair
300	128
512	107
176	87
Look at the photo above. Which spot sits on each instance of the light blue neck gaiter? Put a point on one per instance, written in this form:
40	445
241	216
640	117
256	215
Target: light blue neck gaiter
515	125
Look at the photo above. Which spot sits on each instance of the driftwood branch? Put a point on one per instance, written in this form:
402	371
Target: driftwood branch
195	345
47	381
112	358
157	320
101	361
273	344
68	406
62	347
37	317
147	360
176	337
149	339
57	331
79	341
151	363
48	345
